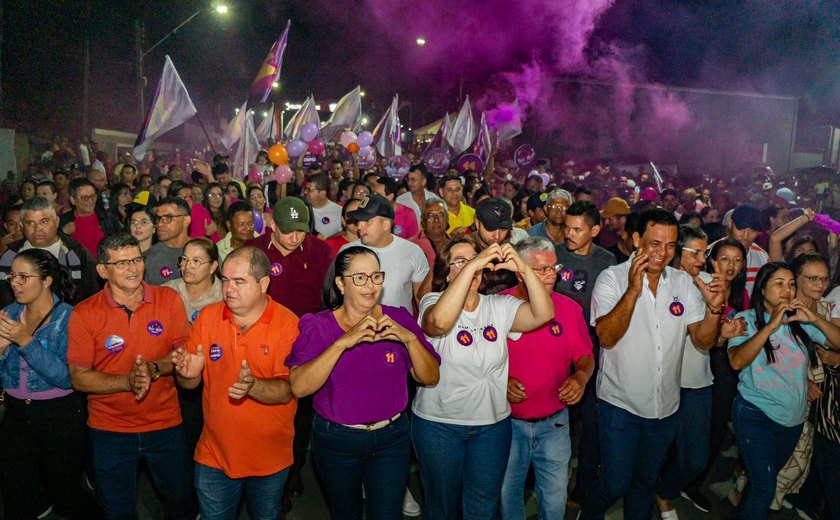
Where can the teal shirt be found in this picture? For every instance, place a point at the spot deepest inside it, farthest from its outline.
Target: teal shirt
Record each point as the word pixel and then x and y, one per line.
pixel 780 390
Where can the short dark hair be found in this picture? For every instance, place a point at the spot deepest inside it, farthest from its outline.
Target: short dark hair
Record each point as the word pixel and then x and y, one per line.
pixel 49 184
pixel 447 178
pixel 588 210
pixel 112 243
pixel 333 298
pixel 77 184
pixel 581 190
pixel 688 215
pixel 391 186
pixel 258 263
pixel 321 181
pixel 239 206
pixel 655 216
pixel 177 201
pixel 220 169
pixel 11 209
pixel 177 186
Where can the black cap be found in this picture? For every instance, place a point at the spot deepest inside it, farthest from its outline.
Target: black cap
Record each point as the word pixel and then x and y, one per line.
pixel 495 213
pixel 536 200
pixel 748 216
pixel 373 205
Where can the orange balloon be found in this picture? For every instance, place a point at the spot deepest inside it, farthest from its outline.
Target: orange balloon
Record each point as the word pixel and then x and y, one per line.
pixel 353 148
pixel 278 154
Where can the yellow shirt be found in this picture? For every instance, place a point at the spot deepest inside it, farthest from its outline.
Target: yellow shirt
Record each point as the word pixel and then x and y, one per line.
pixel 464 218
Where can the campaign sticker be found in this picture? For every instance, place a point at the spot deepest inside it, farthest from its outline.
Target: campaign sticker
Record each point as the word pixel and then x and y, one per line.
pixel 114 344
pixel 677 308
pixel 567 275
pixel 490 333
pixel 195 315
pixel 465 338
pixel 155 328
pixel 276 269
pixel 555 329
pixel 166 271
pixel 390 358
pixel 398 230
pixel 215 352
pixel 325 220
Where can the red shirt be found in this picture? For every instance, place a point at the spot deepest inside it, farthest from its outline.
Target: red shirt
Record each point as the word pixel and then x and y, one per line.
pixel 88 232
pixel 336 242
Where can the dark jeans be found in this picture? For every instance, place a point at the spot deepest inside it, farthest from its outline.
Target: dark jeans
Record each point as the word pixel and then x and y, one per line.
pixel 42 445
pixel 303 431
pixel 765 446
pixel 589 451
pixel 115 460
pixel 348 458
pixel 632 452
pixel 825 463
pixel 462 467
pixel 690 452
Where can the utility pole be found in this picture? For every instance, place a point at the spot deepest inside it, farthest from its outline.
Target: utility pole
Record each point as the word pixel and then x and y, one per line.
pixel 1 64
pixel 86 85
pixel 138 49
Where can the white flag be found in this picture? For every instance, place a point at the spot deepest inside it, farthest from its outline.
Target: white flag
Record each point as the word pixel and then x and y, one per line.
pixel 462 134
pixel 171 107
pixel 308 113
pixel 388 135
pixel 267 129
pixel 233 131
pixel 346 116
pixel 249 147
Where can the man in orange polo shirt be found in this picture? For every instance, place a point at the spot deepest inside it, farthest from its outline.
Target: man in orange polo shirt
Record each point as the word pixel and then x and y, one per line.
pixel 119 352
pixel 238 347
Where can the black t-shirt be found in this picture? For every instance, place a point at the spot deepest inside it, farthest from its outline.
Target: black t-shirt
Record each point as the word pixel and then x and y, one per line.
pixel 620 257
pixel 577 277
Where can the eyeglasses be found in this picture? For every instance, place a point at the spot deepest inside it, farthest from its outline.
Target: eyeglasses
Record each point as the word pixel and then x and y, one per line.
pixel 695 252
pixel 817 280
pixel 730 261
pixel 436 216
pixel 556 207
pixel 549 269
pixel 460 262
pixel 141 222
pixel 20 278
pixel 123 264
pixel 361 279
pixel 192 262
pixel 167 219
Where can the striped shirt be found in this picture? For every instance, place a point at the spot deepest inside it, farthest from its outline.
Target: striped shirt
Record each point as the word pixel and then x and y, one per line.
pixel 756 258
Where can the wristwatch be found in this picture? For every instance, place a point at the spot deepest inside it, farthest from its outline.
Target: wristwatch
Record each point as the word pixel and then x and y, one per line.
pixel 155 372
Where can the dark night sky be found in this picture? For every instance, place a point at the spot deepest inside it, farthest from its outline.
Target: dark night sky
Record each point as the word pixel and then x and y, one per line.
pixel 785 47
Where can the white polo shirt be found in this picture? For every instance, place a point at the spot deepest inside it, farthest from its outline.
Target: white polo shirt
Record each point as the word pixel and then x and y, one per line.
pixel 641 373
pixel 696 367
pixel 407 200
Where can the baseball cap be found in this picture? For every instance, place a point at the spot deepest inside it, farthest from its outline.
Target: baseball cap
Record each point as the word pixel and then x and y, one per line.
pixel 142 198
pixel 787 195
pixel 373 205
pixel 649 194
pixel 495 213
pixel 748 216
pixel 615 206
pixel 291 214
pixel 536 200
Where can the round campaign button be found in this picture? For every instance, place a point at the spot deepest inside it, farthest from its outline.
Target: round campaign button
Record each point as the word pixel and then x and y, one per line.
pixel 490 333
pixel 555 329
pixel 325 220
pixel 215 352
pixel 166 271
pixel 566 274
pixel 390 358
pixel 276 269
pixel 114 344
pixel 398 230
pixel 464 338
pixel 677 308
pixel 155 328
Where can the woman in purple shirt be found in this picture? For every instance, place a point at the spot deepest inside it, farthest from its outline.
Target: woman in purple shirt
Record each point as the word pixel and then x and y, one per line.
pixel 354 359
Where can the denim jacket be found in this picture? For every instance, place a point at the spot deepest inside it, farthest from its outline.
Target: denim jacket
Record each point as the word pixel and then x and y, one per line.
pixel 46 354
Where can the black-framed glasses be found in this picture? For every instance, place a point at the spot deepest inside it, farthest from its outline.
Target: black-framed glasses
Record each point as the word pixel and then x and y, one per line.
pixel 192 262
pixel 361 279
pixel 20 278
pixel 549 269
pixel 123 264
pixel 816 279
pixel 167 219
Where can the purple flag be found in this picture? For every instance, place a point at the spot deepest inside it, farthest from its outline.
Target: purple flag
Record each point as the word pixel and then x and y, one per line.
pixel 270 69
pixel 439 140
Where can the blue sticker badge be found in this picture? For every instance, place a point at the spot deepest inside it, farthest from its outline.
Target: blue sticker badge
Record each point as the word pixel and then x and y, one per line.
pixel 215 352
pixel 114 344
pixel 155 328
pixel 398 230
pixel 195 315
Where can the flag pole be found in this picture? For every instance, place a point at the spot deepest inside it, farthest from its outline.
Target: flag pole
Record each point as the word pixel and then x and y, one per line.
pixel 205 133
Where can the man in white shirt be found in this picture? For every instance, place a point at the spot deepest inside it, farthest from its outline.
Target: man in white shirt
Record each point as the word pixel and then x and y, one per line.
pixel 642 310
pixel 417 194
pixel 326 213
pixel 404 263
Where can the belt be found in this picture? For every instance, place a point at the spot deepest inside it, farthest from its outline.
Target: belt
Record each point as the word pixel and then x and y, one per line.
pixel 374 425
pixel 540 419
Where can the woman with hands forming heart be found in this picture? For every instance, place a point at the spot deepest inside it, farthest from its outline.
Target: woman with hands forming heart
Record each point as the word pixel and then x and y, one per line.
pixel 354 358
pixel 461 428
pixel 774 356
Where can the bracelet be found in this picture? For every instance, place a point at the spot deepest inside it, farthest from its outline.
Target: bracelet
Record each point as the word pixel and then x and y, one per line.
pixel 715 311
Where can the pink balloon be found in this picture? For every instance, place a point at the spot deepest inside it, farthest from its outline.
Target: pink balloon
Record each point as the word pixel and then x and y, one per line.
pixel 364 139
pixel 364 151
pixel 315 147
pixel 295 148
pixel 347 138
pixel 254 174
pixel 309 132
pixel 282 174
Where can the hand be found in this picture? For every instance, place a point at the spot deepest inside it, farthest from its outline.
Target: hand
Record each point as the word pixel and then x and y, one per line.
pixel 515 391
pixel 244 384
pixel 803 313
pixel 809 214
pixel 829 357
pixel 139 380
pixel 388 329
pixel 572 390
pixel 778 316
pixel 814 392
pixel 733 328
pixel 16 332
pixel 637 273
pixel 713 292
pixel 203 168
pixel 186 364
pixel 510 260
pixel 362 332
pixel 484 259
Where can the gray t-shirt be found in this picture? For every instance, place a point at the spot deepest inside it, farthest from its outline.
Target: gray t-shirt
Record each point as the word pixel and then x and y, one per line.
pixel 162 263
pixel 577 277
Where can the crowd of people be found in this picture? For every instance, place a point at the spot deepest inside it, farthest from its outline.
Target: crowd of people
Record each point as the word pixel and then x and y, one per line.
pixel 221 329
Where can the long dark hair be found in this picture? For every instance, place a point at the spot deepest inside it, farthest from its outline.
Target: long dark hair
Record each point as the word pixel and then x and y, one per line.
pixel 442 260
pixel 757 300
pixel 333 299
pixel 739 284
pixel 45 265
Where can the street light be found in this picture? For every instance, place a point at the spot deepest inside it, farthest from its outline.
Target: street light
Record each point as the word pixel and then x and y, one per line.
pixel 275 84
pixel 138 32
pixel 421 41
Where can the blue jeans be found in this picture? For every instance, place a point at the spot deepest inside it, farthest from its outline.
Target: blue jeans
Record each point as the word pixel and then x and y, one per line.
pixel 547 445
pixel 691 445
pixel 765 446
pixel 632 452
pixel 347 458
pixel 461 467
pixel 219 495
pixel 115 460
